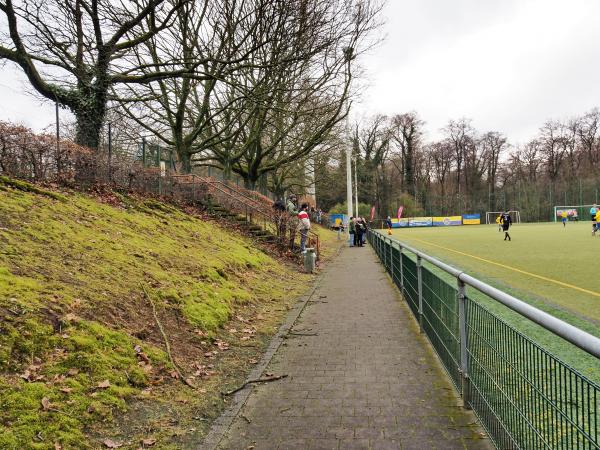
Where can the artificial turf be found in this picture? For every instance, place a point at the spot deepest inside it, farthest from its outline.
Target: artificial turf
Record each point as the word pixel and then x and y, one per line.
pixel 559 254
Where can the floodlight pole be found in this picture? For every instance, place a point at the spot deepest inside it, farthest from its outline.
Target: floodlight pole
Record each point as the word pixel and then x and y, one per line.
pixel 348 179
pixel 348 53
pixel 355 187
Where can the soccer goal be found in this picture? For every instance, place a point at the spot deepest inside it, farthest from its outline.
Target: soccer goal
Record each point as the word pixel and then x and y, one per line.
pixel 577 212
pixel 490 216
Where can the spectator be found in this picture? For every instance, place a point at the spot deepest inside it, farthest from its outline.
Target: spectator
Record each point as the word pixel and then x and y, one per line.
pixel 359 229
pixel 303 226
pixel 388 224
pixel 291 205
pixel 365 229
pixel 352 229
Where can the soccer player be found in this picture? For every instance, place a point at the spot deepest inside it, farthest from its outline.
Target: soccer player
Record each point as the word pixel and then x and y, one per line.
pixel 499 222
pixel 593 211
pixel 563 216
pixel 597 220
pixel 506 222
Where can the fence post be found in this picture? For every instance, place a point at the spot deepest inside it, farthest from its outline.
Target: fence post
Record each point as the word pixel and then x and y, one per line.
pixel 464 355
pixel 109 152
pixel 420 284
pixel 144 152
pixel 392 259
pixel 384 254
pixel 401 271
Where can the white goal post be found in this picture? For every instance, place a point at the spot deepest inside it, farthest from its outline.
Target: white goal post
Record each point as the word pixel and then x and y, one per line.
pixel 490 216
pixel 583 211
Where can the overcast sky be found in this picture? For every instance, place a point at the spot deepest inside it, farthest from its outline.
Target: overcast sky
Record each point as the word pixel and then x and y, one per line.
pixel 507 64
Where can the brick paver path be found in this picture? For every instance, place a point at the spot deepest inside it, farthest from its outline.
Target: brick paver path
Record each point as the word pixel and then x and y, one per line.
pixel 367 380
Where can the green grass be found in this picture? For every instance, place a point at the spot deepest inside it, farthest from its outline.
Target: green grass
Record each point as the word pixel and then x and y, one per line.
pixel 72 309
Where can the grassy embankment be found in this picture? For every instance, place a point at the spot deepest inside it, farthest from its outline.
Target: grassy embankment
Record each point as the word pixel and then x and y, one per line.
pixel 79 343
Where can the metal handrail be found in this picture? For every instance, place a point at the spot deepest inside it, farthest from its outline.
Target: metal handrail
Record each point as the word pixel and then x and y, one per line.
pixel 581 339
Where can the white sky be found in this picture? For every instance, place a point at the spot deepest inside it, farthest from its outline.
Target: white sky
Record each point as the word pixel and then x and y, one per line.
pixel 507 64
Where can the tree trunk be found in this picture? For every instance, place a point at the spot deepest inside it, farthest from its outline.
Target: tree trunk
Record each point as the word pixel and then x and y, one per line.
pixel 89 125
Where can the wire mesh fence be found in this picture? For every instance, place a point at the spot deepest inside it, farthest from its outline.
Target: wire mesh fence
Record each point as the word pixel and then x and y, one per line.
pixel 524 396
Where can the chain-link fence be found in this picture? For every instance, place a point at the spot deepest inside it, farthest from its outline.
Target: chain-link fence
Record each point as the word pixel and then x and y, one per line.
pixel 149 170
pixel 524 396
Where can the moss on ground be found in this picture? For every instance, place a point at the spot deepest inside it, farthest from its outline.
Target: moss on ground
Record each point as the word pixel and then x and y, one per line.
pixel 74 339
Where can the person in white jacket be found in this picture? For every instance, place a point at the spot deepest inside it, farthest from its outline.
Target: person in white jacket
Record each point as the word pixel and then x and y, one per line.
pixel 303 225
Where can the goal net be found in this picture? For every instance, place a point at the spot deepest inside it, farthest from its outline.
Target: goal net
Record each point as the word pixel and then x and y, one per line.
pixel 576 212
pixel 491 216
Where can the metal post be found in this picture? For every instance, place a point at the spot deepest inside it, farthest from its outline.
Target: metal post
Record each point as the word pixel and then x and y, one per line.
pixel 384 253
pixel 420 284
pixel 464 355
pixel 392 260
pixel 401 271
pixel 109 151
pixel 58 158
pixel 144 152
pixel 355 186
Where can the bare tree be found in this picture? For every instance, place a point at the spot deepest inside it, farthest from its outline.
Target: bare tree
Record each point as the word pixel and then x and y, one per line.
pixel 459 134
pixel 588 132
pixel 493 144
pixel 407 132
pixel 552 147
pixel 74 51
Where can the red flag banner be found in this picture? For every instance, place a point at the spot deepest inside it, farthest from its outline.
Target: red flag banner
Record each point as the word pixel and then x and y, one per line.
pixel 400 212
pixel 372 213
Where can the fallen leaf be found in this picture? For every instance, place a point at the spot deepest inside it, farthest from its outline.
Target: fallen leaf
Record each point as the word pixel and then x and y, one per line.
pixel 253 361
pixel 104 384
pixel 174 374
pixel 57 446
pixel 26 375
pixel 111 444
pixel 66 390
pixel 73 372
pixel 46 403
pixel 64 336
pixel 148 442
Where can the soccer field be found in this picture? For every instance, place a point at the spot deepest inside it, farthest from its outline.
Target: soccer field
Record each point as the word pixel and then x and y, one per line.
pixel 547 265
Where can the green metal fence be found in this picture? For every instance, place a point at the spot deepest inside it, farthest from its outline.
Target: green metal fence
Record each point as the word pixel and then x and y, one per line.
pixel 525 397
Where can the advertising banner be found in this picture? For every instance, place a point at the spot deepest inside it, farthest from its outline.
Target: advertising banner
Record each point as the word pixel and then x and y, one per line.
pixel 471 219
pixel 400 212
pixel 399 223
pixel 448 221
pixel 420 222
pixel 571 213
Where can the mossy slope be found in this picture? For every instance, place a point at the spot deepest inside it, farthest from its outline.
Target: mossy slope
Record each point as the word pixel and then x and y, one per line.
pixel 71 276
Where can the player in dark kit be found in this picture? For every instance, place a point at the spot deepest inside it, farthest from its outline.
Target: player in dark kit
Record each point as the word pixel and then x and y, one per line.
pixel 506 222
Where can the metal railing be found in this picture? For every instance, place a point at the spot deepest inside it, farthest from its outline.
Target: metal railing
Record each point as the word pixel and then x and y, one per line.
pixel 524 396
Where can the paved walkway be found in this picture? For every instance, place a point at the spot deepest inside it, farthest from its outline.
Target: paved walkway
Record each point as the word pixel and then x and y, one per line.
pixel 366 380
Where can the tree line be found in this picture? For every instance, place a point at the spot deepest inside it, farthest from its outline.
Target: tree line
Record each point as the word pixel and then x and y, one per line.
pixel 468 170
pixel 250 87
